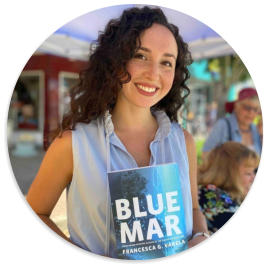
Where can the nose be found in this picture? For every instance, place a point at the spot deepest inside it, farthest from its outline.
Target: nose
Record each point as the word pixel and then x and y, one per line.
pixel 153 71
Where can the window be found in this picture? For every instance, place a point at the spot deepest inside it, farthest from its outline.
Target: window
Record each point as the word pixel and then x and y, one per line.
pixel 26 107
pixel 67 80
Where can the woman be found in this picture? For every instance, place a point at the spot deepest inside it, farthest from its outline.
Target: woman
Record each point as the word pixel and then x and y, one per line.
pixel 123 115
pixel 224 181
pixel 238 126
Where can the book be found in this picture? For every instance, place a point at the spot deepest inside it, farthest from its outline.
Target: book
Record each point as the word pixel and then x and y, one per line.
pixel 148 212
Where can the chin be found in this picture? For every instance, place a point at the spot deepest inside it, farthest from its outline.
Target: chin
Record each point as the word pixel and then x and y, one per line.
pixel 145 104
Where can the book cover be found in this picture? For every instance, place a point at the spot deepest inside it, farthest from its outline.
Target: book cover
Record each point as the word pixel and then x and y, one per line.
pixel 148 212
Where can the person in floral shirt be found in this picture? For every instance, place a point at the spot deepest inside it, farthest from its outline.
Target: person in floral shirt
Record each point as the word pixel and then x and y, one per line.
pixel 224 179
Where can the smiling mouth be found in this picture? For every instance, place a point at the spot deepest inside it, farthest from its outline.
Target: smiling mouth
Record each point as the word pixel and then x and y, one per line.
pixel 146 89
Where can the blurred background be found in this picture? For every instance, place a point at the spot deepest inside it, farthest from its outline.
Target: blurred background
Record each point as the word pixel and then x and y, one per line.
pixel 41 95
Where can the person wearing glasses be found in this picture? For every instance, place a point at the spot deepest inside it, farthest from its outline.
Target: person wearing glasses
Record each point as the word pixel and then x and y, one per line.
pixel 238 125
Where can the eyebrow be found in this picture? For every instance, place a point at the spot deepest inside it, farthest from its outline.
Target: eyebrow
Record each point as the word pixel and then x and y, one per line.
pixel 165 54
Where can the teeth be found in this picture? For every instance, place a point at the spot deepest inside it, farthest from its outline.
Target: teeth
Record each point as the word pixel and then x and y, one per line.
pixel 146 89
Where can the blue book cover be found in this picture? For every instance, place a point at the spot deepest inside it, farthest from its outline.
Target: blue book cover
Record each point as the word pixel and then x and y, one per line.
pixel 148 212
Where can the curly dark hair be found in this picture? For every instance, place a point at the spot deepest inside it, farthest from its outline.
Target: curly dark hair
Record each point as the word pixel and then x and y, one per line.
pixel 106 71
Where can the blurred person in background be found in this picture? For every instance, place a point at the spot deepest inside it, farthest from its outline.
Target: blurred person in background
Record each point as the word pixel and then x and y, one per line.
pixel 224 180
pixel 27 119
pixel 238 126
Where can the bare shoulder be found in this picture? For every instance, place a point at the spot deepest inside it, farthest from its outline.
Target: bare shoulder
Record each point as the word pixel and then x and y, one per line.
pixel 61 148
pixel 190 143
pixel 191 151
pixel 60 153
pixel 64 140
pixel 62 144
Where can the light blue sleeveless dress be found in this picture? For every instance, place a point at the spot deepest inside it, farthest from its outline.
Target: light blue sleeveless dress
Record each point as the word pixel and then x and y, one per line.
pixel 96 151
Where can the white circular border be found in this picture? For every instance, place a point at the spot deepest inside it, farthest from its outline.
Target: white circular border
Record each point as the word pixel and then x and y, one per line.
pixel 26 243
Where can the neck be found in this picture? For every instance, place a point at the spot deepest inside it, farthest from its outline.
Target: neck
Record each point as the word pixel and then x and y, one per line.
pixel 129 118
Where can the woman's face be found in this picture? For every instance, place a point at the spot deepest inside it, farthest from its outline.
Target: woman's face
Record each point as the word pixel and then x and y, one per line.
pixel 246 175
pixel 246 110
pixel 152 69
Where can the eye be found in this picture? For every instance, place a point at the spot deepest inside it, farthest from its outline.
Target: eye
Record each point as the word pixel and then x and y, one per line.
pixel 167 63
pixel 140 56
pixel 249 174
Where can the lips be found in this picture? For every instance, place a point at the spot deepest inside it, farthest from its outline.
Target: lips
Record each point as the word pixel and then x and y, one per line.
pixel 148 90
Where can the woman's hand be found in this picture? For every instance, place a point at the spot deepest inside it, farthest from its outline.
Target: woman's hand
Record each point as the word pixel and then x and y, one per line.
pixel 196 241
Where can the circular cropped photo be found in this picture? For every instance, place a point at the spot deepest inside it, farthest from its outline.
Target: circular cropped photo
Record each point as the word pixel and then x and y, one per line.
pixel 135 132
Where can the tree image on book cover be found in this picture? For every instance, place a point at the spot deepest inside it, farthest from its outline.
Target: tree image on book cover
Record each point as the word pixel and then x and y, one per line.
pixel 148 212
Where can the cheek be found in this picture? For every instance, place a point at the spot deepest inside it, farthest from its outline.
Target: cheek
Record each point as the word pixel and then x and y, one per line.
pixel 168 79
pixel 242 116
pixel 247 180
pixel 131 69
pixel 134 68
pixel 243 176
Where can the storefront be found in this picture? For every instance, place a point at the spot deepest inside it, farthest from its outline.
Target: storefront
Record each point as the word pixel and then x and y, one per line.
pixel 39 100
